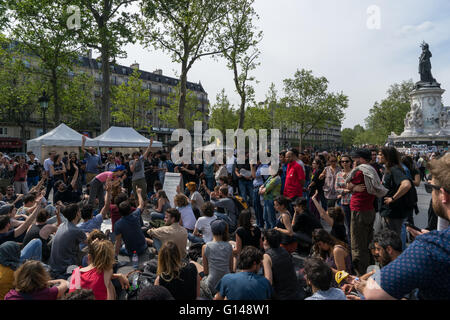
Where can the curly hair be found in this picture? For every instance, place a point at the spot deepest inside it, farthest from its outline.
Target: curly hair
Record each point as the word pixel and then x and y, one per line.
pixel 31 277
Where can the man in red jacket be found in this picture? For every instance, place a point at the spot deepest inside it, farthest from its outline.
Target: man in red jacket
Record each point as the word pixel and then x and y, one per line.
pixel 295 178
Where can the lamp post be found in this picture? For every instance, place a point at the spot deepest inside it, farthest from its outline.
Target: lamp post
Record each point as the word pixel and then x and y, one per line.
pixel 43 102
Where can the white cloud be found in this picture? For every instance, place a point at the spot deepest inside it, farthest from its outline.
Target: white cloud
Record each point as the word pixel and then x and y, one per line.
pixel 421 28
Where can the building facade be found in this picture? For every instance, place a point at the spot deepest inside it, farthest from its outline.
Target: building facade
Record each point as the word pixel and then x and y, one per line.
pixel 328 138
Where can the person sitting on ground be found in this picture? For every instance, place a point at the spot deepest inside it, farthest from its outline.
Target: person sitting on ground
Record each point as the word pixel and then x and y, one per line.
pixel 28 204
pixel 65 250
pixel 33 250
pixel 99 273
pixel 154 198
pixel 246 284
pixel 114 208
pixel 67 194
pixel 319 277
pixel 162 205
pixel 176 275
pixel 9 262
pixel 187 214
pixel 202 230
pixel 217 258
pixel 226 206
pixel 12 197
pixel 195 197
pixel 334 217
pixel 303 225
pixel 284 224
pixel 333 251
pixel 32 281
pixel 172 231
pixel 279 268
pixel 246 234
pixel 42 230
pixel 129 229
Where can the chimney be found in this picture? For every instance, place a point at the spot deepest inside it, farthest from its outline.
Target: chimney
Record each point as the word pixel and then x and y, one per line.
pixel 158 71
pixel 135 66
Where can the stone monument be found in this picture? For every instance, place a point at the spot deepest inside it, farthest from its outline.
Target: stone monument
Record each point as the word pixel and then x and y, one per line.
pixel 428 121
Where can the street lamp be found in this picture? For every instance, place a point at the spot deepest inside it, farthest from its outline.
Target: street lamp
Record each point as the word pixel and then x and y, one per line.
pixel 43 102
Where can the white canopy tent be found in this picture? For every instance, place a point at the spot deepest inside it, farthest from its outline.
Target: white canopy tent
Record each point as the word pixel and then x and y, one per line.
pixel 62 137
pixel 124 137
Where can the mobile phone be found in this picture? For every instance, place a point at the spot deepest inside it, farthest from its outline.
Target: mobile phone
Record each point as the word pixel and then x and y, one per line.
pixel 413 227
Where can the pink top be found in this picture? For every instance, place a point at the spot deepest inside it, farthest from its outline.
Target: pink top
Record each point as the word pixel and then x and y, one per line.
pixel 91 279
pixel 102 177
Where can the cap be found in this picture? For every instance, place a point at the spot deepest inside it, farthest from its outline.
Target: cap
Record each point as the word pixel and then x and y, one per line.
pixel 362 153
pixel 191 185
pixel 218 226
pixel 119 168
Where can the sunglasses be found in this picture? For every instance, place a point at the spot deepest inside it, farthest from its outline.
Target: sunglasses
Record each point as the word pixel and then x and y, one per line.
pixel 429 188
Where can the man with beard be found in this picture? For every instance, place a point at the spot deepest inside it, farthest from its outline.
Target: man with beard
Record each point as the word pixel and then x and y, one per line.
pixel 425 263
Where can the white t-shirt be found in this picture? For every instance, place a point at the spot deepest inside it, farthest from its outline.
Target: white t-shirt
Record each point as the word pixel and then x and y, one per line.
pixel 197 197
pixel 204 226
pixel 187 215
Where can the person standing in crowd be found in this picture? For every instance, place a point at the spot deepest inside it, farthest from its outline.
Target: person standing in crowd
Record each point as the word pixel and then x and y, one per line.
pixel 34 170
pixel 72 167
pixel 344 194
pixel 58 169
pixel 110 164
pixel 20 176
pixel 93 161
pixel 295 178
pixel 298 157
pixel 6 171
pixel 96 185
pixel 244 174
pixel 364 183
pixel 208 171
pixel 425 263
pixel 279 268
pixel 137 168
pixel 283 164
pixel 316 184
pixel 50 181
pixel 162 168
pixel 270 190
pixel 246 284
pixel 329 176
pixel 394 208
pixel 260 173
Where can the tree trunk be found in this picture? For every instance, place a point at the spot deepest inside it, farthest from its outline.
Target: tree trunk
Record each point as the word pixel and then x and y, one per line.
pixel 242 114
pixel 183 92
pixel 54 82
pixel 300 145
pixel 106 95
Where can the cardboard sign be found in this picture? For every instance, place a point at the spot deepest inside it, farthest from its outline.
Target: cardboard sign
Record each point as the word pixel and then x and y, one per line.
pixel 171 181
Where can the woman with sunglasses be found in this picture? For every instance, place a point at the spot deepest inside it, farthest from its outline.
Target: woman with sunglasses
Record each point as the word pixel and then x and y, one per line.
pixel 344 194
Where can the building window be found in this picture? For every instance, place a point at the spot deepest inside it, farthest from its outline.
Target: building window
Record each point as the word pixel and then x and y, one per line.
pixel 4 131
pixel 27 134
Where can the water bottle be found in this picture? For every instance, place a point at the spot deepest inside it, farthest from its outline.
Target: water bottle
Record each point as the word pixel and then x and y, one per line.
pixel 135 260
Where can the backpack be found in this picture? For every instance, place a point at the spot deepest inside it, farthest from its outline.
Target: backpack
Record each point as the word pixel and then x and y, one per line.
pixel 239 202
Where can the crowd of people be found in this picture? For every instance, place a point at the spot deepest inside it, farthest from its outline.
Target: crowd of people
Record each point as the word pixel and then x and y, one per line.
pixel 233 231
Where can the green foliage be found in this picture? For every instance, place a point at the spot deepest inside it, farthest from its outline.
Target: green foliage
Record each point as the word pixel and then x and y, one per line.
pixel 20 89
pixel 185 29
pixel 309 105
pixel 192 111
pixel 223 116
pixel 131 103
pixel 41 31
pixel 388 115
pixel 238 40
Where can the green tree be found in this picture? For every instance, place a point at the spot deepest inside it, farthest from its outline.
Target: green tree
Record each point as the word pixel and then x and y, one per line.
pixel 388 115
pixel 192 111
pixel 78 102
pixel 131 102
pixel 40 27
pixel 238 41
pixel 309 105
pixel 223 116
pixel 348 137
pixel 106 26
pixel 20 89
pixel 185 29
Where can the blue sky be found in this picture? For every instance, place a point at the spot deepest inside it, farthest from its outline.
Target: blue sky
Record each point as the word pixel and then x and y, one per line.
pixel 331 38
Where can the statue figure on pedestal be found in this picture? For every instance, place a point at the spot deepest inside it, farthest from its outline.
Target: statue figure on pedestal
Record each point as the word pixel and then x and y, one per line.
pixel 443 119
pixel 425 64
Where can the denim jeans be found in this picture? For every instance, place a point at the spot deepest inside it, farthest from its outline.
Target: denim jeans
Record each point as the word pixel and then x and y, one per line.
pixel 210 182
pixel 195 239
pixel 259 211
pixel 32 181
pixel 270 217
pixel 156 216
pixel 246 190
pixel 32 251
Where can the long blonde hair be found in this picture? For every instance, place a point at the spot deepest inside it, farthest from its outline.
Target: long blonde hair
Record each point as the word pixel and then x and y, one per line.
pixel 101 254
pixel 169 262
